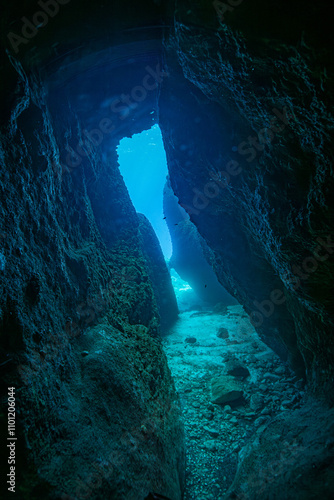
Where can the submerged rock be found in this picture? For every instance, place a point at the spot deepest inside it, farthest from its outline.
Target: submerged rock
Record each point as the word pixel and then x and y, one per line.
pixel 190 340
pixel 293 464
pixel 80 310
pixel 159 274
pixel 223 333
pixel 256 402
pixel 225 389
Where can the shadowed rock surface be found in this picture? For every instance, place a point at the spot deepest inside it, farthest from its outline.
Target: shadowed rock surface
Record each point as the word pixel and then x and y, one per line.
pixel 159 274
pixel 268 224
pixel 192 258
pixel 97 412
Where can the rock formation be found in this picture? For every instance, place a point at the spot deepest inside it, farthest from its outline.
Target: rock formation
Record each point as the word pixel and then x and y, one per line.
pixel 192 258
pixel 158 274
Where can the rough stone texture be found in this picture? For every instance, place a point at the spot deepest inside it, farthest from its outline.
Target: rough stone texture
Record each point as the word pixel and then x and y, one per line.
pixel 192 258
pixel 264 225
pixel 225 389
pixel 289 465
pixel 97 409
pixel 159 274
pixel 256 402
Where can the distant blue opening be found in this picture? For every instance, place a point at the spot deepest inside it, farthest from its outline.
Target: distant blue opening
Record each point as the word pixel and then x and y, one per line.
pixel 143 165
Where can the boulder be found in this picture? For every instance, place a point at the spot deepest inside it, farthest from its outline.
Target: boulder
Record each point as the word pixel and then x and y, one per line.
pixel 225 389
pixel 222 333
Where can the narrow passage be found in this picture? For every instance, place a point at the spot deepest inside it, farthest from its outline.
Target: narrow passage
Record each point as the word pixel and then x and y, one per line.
pixel 216 357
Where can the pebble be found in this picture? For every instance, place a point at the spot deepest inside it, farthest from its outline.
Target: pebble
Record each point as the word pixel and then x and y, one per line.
pixel 265 411
pixel 250 414
pixel 191 340
pixel 256 402
pixel 251 359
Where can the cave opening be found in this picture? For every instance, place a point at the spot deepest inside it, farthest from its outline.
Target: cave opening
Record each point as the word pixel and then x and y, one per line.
pixel 143 165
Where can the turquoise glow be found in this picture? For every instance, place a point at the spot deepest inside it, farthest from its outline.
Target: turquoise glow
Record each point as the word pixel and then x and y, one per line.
pixel 143 165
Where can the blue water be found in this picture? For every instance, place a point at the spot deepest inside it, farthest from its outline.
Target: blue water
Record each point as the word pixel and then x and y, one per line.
pixel 143 165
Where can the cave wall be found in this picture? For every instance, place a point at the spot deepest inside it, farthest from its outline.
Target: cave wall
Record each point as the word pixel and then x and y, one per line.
pixel 159 275
pixel 97 410
pixel 98 415
pixel 194 166
pixel 192 258
pixel 250 160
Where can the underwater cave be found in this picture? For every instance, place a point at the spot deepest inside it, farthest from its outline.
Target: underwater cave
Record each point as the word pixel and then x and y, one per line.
pixel 166 250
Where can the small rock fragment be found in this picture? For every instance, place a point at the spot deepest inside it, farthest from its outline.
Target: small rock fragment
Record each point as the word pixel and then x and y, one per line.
pixel 191 340
pixel 260 421
pixel 256 402
pixel 271 376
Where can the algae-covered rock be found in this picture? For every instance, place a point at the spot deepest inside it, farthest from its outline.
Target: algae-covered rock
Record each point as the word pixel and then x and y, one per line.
pixel 78 322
